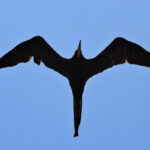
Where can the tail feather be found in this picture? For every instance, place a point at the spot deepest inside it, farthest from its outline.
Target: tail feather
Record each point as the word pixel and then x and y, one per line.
pixel 77 115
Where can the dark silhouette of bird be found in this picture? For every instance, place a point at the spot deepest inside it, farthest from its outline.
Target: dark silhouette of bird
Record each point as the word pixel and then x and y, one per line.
pixel 77 69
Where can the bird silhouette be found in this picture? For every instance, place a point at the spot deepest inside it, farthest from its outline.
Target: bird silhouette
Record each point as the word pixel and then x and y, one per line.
pixel 77 69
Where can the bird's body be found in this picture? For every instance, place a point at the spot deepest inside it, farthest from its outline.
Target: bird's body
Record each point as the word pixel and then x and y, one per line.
pixel 77 80
pixel 77 69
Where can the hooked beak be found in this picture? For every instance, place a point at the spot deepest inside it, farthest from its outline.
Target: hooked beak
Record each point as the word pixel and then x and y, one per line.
pixel 79 49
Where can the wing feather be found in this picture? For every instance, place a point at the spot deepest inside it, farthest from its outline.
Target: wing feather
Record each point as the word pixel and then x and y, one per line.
pixel 118 52
pixel 38 48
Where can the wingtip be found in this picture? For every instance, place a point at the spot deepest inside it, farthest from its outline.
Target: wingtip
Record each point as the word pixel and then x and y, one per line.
pixel 2 64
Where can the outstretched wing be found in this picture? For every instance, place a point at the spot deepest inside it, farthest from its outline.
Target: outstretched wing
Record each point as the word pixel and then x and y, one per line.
pixel 118 52
pixel 40 50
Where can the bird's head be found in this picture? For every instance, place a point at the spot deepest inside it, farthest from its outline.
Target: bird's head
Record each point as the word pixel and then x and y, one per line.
pixel 78 52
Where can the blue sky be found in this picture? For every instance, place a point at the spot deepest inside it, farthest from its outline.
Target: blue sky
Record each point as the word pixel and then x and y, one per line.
pixel 36 103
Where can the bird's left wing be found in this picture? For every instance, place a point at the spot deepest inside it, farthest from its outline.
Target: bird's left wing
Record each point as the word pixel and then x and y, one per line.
pixel 40 50
pixel 118 52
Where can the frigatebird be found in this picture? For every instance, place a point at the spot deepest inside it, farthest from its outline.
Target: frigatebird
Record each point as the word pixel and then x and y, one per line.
pixel 77 69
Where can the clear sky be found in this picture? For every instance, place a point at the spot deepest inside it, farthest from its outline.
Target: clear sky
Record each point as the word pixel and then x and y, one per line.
pixel 36 103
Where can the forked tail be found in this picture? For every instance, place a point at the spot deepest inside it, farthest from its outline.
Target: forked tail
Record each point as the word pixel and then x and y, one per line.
pixel 77 114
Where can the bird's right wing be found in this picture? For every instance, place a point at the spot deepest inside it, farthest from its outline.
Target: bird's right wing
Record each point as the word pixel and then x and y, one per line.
pixel 40 50
pixel 118 52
